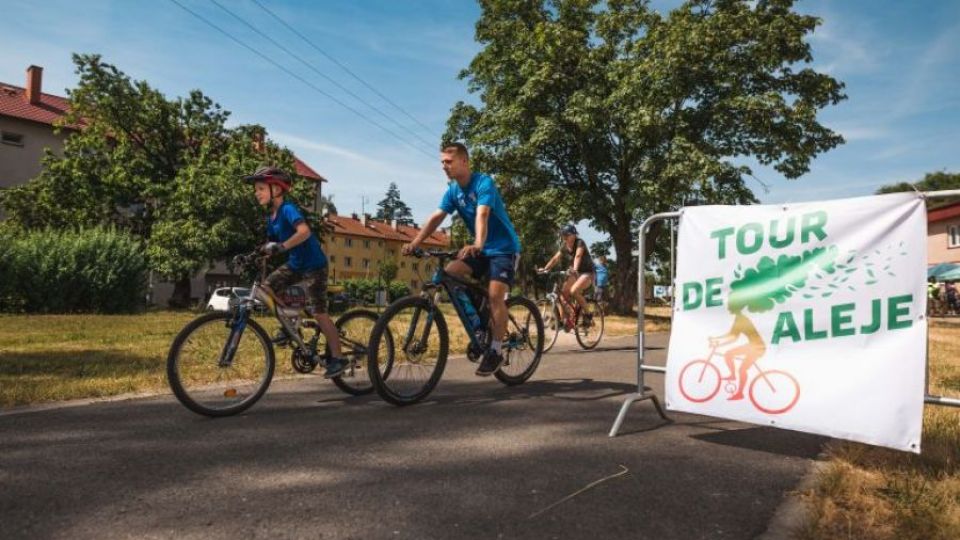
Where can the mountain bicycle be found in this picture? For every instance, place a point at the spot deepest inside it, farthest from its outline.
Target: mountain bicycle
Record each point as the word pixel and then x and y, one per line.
pixel 771 392
pixel 419 327
pixel 586 324
pixel 221 363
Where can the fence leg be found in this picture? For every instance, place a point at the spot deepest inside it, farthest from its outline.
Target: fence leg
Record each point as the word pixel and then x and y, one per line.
pixel 626 406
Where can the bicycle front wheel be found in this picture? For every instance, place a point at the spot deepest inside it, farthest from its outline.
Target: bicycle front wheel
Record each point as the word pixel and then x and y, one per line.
pixel 589 329
pixel 209 384
pixel 523 343
pixel 551 322
pixel 355 328
pixel 418 352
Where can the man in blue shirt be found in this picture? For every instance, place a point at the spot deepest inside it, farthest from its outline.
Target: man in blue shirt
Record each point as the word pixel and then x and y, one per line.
pixel 288 232
pixel 496 247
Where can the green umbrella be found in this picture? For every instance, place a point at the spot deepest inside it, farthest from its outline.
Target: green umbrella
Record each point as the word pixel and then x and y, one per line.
pixel 938 270
pixel 949 275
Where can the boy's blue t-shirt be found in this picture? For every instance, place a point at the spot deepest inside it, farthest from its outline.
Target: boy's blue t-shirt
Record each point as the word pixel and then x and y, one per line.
pixel 502 239
pixel 602 276
pixel 307 255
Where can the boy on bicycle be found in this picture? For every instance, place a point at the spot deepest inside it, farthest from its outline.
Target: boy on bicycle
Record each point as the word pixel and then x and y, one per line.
pixel 288 232
pixel 496 248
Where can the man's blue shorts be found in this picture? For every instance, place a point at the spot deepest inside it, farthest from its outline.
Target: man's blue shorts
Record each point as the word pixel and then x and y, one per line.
pixel 502 268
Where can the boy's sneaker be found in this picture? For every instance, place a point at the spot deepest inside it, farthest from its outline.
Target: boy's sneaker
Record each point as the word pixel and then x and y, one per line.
pixel 491 362
pixel 335 367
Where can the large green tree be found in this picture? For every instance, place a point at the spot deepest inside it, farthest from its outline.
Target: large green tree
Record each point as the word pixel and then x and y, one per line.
pixel 935 181
pixel 632 112
pixel 392 207
pixel 167 170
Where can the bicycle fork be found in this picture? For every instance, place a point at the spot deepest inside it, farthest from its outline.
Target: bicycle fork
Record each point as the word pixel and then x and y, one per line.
pixel 237 325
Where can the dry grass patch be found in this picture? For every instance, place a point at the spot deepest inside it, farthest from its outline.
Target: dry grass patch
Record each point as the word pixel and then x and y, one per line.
pixel 59 357
pixel 866 492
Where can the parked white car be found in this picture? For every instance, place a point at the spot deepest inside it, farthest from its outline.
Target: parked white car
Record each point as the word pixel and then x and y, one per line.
pixel 224 298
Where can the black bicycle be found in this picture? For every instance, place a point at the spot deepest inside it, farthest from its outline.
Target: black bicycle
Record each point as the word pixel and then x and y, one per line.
pixel 221 363
pixel 419 332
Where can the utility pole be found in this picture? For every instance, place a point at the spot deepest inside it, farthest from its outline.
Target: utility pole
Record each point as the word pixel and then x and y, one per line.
pixel 363 204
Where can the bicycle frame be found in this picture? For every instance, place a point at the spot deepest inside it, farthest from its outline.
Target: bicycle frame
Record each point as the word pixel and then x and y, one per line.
pixel 449 282
pixel 761 373
pixel 242 312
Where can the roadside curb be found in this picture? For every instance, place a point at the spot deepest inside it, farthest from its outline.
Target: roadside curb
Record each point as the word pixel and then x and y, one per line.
pixel 789 516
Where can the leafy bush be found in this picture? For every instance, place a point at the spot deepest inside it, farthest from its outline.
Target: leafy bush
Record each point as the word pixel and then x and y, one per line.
pixel 365 290
pixel 51 271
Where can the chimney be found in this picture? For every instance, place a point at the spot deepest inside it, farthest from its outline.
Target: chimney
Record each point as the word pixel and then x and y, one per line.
pixel 364 219
pixel 34 84
pixel 355 216
pixel 393 224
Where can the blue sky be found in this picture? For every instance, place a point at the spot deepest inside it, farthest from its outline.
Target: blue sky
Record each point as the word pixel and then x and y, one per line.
pixel 900 61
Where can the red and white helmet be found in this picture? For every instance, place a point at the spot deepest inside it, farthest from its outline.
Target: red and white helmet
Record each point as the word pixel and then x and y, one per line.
pixel 272 176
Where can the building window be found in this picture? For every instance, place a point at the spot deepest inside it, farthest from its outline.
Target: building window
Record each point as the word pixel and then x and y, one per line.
pixel 414 283
pixel 13 139
pixel 953 236
pixel 366 264
pixel 429 268
pixel 403 264
pixel 348 242
pixel 366 244
pixel 333 259
pixel 415 266
pixel 379 243
pixel 348 261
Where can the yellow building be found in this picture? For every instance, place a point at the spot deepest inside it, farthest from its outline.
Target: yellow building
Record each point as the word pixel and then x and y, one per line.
pixel 359 245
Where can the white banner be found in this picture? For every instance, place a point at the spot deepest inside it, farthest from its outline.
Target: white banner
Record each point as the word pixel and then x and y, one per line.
pixel 804 316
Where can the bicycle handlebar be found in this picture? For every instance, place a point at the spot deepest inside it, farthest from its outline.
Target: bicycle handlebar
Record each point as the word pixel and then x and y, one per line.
pixel 440 254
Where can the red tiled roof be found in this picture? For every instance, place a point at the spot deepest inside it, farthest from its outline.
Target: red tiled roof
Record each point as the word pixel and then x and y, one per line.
pixel 13 102
pixel 384 231
pixel 305 171
pixel 947 211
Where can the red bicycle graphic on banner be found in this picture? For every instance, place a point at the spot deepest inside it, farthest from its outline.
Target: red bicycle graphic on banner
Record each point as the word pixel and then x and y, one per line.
pixel 771 392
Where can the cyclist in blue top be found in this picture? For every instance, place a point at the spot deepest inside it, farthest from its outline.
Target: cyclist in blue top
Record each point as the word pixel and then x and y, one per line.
pixel 288 232
pixel 496 248
pixel 603 276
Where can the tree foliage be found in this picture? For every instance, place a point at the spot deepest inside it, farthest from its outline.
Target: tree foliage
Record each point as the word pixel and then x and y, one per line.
pixel 392 207
pixel 166 170
pixel 936 181
pixel 630 112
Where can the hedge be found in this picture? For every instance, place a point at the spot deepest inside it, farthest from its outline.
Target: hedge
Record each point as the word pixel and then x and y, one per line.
pixel 51 271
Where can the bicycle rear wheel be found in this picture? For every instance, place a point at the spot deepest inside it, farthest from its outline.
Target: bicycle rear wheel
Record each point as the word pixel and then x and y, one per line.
pixel 355 328
pixel 589 329
pixel 418 350
pixel 207 384
pixel 551 322
pixel 523 343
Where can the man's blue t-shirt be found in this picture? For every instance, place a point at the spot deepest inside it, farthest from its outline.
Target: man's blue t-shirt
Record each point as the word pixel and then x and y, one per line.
pixel 502 239
pixel 601 271
pixel 307 255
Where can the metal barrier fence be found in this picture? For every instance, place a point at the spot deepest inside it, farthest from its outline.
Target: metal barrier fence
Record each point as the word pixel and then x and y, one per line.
pixel 646 394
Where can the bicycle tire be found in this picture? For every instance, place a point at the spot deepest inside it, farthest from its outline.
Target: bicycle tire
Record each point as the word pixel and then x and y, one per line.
pixel 710 393
pixel 765 376
pixel 173 361
pixel 550 338
pixel 538 348
pixel 355 381
pixel 578 329
pixel 389 393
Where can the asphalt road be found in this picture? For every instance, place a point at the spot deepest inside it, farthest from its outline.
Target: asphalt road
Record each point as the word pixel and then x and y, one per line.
pixel 476 460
